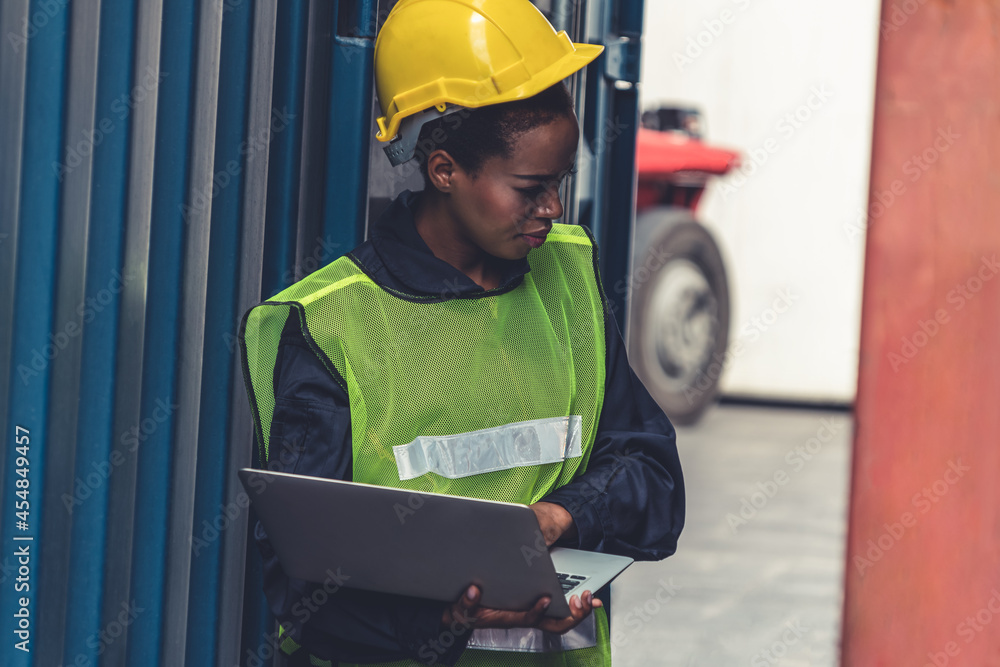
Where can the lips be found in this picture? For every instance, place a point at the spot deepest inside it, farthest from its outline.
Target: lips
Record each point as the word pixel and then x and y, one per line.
pixel 535 239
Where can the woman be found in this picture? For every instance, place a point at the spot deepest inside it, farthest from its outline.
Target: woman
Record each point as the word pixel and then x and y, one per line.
pixel 468 311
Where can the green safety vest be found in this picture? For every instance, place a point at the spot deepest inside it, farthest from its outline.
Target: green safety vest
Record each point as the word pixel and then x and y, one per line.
pixel 442 365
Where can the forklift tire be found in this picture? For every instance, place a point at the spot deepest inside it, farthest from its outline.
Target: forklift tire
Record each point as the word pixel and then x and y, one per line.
pixel 678 326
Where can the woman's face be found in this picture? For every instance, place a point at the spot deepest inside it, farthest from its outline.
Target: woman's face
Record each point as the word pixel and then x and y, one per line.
pixel 508 207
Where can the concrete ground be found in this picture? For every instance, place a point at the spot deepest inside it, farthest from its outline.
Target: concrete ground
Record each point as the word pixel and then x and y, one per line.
pixel 758 575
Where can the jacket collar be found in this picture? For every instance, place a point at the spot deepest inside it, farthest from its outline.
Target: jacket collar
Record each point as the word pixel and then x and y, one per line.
pixel 409 260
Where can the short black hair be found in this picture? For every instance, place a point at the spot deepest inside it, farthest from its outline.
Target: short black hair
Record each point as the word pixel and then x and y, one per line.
pixel 472 136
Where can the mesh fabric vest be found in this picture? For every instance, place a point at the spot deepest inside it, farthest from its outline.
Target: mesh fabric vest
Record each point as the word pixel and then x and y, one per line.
pixel 445 365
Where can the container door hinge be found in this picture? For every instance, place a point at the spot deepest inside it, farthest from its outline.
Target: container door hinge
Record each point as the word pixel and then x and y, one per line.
pixel 621 60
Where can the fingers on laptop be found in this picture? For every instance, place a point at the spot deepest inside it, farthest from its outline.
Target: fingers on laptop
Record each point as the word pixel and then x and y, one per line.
pixel 467 612
pixel 589 598
pixel 463 610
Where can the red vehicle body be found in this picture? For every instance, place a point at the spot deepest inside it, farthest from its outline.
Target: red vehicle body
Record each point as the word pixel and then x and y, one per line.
pixel 674 167
pixel 678 322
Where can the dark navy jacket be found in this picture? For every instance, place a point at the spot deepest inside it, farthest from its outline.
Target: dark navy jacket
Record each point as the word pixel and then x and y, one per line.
pixel 630 501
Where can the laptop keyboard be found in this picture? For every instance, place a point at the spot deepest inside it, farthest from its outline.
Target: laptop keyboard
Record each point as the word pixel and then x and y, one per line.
pixel 569 581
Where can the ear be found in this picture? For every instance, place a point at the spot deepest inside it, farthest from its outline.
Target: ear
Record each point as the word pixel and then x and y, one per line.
pixel 441 168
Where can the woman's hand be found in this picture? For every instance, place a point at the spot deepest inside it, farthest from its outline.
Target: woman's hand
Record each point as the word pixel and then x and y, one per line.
pixel 554 521
pixel 466 613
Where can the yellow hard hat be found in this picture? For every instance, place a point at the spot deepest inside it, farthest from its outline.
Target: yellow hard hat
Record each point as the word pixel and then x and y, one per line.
pixel 471 53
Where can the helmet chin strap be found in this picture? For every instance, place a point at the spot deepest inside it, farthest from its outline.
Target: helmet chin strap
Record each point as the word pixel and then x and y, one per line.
pixel 403 146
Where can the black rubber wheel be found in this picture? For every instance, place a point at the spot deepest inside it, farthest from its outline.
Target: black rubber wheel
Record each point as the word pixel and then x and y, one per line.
pixel 678 326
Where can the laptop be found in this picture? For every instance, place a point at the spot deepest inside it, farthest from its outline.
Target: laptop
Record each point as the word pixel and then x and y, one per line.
pixel 427 545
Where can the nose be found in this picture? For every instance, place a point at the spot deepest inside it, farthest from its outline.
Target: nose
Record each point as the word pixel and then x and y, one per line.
pixel 550 204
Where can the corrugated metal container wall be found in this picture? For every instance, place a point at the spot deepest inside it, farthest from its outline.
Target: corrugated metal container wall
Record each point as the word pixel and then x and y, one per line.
pixel 145 145
pixel 167 165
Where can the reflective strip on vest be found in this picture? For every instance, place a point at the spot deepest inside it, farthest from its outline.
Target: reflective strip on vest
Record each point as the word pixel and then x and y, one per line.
pixel 528 443
pixel 532 640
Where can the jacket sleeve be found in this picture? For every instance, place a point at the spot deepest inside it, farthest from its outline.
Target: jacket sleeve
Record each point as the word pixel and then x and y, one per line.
pixel 311 435
pixel 630 500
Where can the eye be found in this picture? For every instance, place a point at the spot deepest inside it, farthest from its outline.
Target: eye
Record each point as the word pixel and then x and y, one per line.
pixel 553 185
pixel 533 192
